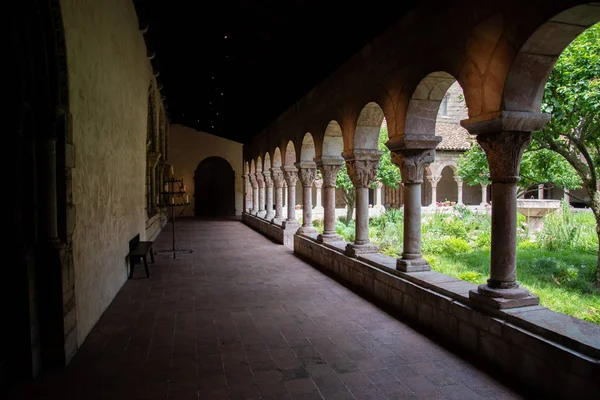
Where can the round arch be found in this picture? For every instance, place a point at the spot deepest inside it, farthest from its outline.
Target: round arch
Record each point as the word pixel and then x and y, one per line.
pixel 333 142
pixel 290 154
pixel 307 151
pixel 214 188
pixel 368 125
pixel 267 162
pixel 277 158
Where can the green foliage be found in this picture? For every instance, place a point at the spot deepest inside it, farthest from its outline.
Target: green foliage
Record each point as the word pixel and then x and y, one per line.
pixel 483 240
pixel 566 230
pixel 318 224
pixel 388 173
pixel 346 231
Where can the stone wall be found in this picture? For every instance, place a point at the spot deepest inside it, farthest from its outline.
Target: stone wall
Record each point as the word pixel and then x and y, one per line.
pixel 557 354
pixel 189 147
pixel 109 76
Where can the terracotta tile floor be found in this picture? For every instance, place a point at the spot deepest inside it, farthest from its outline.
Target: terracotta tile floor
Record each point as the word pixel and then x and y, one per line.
pixel 243 318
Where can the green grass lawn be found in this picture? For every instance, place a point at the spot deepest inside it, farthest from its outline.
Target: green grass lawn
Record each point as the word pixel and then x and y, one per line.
pixel 565 290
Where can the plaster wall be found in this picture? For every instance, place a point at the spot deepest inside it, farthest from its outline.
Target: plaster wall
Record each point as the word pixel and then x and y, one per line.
pixel 189 147
pixel 109 75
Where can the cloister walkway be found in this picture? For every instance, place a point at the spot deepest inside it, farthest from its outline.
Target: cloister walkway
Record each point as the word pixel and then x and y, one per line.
pixel 244 318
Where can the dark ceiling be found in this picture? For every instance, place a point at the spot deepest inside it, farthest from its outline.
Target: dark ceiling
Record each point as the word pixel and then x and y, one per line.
pixel 231 67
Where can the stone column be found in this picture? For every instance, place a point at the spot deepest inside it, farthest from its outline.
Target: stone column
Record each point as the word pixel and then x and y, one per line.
pixel 308 173
pixel 247 194
pixel 285 195
pixel 260 178
pixel 362 168
pixel 153 158
pixel 412 163
pixel 290 175
pixel 318 209
pixel 483 194
pixel 254 183
pixel 378 207
pixel 278 182
pixel 459 189
pixel 540 191
pixel 504 137
pixel 269 186
pixel 329 169
pixel 433 180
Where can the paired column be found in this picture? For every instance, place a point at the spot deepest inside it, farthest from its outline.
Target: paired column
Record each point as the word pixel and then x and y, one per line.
pixel 504 138
pixel 260 178
pixel 378 207
pixel 362 168
pixel 254 183
pixel 308 174
pixel 329 169
pixel 269 186
pixel 278 182
pixel 412 163
pixel 459 189
pixel 290 174
pixel 433 180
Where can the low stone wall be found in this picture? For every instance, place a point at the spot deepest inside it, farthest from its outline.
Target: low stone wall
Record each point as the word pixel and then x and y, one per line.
pixel 556 354
pixel 154 225
pixel 273 231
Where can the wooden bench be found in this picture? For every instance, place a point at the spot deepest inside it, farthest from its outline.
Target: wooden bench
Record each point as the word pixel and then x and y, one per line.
pixel 139 250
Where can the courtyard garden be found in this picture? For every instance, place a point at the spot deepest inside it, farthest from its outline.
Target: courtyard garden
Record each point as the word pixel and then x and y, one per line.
pixel 558 263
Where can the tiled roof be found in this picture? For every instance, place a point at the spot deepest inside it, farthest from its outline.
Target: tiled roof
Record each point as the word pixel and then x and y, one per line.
pixel 454 136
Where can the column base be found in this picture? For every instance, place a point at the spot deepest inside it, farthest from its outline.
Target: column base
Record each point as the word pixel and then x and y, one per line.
pixel 378 209
pixel 277 221
pixel 254 212
pixel 504 298
pixel 307 230
pixel 329 238
pixel 269 217
pixel 412 264
pixel 261 214
pixel 293 224
pixel 354 250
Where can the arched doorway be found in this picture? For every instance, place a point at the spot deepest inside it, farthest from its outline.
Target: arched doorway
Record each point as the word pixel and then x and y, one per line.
pixel 214 188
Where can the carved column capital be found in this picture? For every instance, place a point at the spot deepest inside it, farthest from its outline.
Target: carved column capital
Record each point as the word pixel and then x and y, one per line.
pixel 412 163
pixel 458 180
pixel 277 177
pixel 362 167
pixel 329 173
pixel 318 183
pixel 290 174
pixel 268 179
pixel 378 184
pixel 253 181
pixel 433 179
pixel 307 176
pixel 260 178
pixel 504 151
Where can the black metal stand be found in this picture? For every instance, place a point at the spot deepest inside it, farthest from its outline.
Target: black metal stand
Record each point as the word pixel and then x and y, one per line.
pixel 171 193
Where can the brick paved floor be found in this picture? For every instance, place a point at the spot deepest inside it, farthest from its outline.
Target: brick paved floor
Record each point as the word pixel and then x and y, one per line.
pixel 243 318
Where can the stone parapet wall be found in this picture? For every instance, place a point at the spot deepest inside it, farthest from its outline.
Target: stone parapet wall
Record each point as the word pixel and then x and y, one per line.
pixel 154 225
pixel 270 230
pixel 556 354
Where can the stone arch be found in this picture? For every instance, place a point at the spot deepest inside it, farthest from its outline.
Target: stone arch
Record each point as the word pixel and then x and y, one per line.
pixel 333 142
pixel 259 164
pixel 425 101
pixel 267 162
pixel 252 167
pixel 307 151
pixel 366 133
pixel 446 188
pixel 290 154
pixel 277 158
pixel 527 77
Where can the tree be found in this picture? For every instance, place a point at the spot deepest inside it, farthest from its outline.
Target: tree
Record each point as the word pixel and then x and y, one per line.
pixel 387 173
pixel 567 150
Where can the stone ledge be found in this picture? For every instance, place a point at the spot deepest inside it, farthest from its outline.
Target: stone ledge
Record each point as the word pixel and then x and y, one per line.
pixel 272 230
pixel 551 351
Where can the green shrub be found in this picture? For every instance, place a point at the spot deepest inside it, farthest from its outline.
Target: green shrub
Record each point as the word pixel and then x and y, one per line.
pixel 566 230
pixel 483 240
pixel 470 276
pixel 456 245
pixel 345 231
pixel 528 245
pixel 434 244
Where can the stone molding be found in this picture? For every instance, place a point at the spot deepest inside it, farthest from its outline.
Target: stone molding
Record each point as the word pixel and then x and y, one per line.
pixel 434 179
pixel 412 163
pixel 307 176
pixel 260 179
pixel 505 121
pixel 362 166
pixel 152 157
pixel 268 179
pixel 291 177
pixel 504 151
pixel 253 181
pixel 318 183
pixel 277 177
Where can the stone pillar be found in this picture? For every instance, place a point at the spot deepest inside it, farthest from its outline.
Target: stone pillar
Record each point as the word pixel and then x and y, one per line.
pixel 412 163
pixel 278 182
pixel 248 193
pixel 504 136
pixel 153 158
pixel 378 207
pixel 290 174
pixel 459 189
pixel 285 195
pixel 540 191
pixel 483 194
pixel 362 168
pixel 318 209
pixel 254 183
pixel 260 178
pixel 269 187
pixel 329 169
pixel 433 180
pixel 308 173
